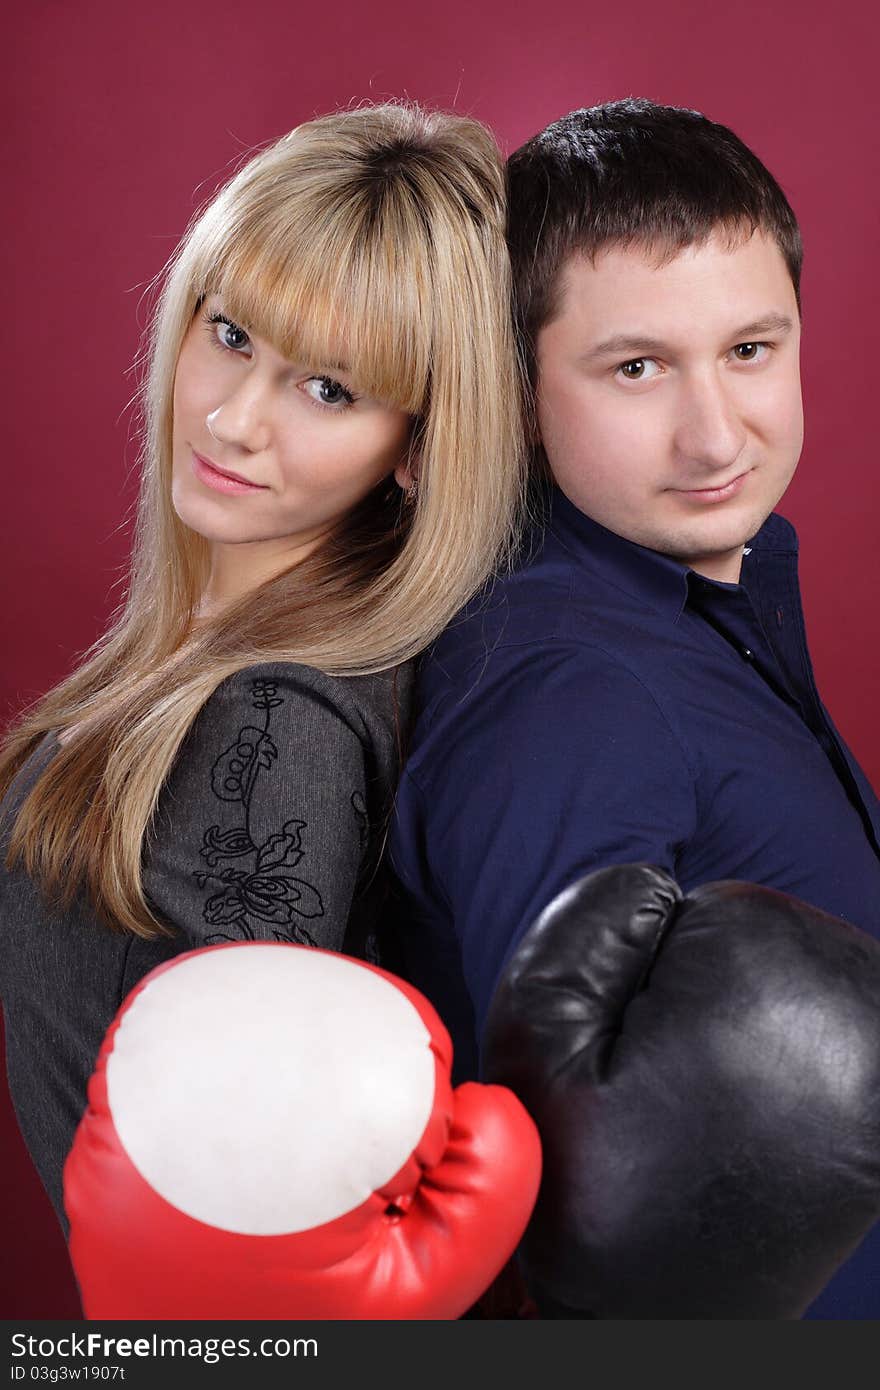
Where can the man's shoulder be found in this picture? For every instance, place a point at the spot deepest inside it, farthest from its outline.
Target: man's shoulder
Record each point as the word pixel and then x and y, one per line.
pixel 527 644
pixel 550 603
pixel 556 593
pixel 777 533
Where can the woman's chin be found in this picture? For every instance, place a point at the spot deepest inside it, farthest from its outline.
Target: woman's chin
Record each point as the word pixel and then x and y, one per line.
pixel 199 515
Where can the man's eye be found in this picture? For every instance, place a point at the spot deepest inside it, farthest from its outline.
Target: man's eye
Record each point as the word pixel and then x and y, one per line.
pixel 324 390
pixel 638 369
pixel 750 352
pixel 227 334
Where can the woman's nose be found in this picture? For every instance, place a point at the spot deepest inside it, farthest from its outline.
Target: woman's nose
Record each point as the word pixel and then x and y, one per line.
pixel 241 421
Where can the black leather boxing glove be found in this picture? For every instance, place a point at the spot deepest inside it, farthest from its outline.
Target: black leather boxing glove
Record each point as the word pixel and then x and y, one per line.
pixel 705 1076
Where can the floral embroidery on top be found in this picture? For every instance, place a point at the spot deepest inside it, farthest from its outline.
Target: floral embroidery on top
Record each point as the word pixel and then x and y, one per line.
pixel 264 892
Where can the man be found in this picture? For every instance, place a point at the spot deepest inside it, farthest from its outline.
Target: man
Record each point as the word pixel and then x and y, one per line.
pixel 640 689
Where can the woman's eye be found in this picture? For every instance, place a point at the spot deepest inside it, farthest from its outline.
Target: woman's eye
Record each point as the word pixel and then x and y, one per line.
pixel 750 352
pixel 228 334
pixel 324 390
pixel 638 369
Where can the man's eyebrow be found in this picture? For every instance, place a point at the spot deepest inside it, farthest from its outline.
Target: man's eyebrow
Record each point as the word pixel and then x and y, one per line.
pixel 622 343
pixel 773 323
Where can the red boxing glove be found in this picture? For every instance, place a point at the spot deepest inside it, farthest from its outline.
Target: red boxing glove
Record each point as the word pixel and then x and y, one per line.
pixel 271 1133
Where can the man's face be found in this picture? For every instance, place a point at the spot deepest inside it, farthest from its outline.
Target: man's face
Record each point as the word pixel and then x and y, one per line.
pixel 669 398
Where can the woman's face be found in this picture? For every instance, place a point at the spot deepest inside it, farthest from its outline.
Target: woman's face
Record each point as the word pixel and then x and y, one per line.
pixel 306 448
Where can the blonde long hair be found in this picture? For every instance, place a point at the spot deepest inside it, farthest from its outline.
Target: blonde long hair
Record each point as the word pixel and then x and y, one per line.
pixel 381 228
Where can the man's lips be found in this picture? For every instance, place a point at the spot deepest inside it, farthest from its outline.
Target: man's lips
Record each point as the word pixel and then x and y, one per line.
pixel 717 493
pixel 224 472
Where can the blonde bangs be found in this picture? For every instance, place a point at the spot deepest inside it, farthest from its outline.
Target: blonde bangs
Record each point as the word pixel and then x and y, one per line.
pixel 331 285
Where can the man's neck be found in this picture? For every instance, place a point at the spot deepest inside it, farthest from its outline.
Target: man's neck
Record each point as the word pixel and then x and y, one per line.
pixel 724 569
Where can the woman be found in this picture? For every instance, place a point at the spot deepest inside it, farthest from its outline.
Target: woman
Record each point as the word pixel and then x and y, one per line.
pixel 331 468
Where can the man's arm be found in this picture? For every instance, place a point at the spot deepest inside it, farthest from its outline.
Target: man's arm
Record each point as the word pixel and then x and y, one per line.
pixel 704 1071
pixel 545 762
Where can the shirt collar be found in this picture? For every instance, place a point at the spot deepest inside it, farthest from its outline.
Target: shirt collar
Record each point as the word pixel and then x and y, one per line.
pixel 647 575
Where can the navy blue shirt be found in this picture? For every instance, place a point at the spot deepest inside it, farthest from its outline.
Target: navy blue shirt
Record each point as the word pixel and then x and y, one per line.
pixel 605 704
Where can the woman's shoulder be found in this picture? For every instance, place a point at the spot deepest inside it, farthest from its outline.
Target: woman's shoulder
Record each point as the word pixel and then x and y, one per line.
pixel 295 678
pixel 374 707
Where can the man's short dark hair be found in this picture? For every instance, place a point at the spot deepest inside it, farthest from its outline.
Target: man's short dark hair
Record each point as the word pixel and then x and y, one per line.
pixel 631 173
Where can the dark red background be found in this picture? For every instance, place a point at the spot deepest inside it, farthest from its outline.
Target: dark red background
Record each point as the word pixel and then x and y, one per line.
pixel 121 122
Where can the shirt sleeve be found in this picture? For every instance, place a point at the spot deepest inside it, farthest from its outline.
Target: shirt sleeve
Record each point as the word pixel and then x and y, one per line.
pixel 548 764
pixel 261 825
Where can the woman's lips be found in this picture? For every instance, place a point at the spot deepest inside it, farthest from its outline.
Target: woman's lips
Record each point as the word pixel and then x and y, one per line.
pixel 715 494
pixel 211 476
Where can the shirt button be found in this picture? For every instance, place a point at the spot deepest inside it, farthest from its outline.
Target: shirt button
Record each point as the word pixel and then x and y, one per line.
pixel 747 654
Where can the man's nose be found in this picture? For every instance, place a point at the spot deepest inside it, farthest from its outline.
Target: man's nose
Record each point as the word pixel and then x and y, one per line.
pixel 710 431
pixel 241 420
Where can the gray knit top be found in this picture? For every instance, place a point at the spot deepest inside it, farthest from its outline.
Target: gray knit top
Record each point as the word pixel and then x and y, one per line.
pixel 269 826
